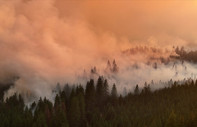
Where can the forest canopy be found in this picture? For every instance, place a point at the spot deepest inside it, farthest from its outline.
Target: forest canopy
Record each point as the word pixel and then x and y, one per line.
pixel 98 106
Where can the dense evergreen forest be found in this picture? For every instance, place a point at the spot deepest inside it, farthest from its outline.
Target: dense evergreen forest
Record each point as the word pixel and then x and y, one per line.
pixel 97 106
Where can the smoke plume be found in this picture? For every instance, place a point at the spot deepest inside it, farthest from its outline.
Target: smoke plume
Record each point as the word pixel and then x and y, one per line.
pixel 43 42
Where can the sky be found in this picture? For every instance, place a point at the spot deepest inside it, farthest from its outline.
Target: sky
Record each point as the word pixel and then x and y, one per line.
pixel 169 22
pixel 50 41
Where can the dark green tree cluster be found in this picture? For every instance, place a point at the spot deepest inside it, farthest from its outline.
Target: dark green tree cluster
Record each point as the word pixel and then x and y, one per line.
pixel 3 88
pixel 97 106
pixel 184 55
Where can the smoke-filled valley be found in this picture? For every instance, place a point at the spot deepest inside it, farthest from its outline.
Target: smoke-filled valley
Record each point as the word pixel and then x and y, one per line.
pixel 41 47
pixel 56 51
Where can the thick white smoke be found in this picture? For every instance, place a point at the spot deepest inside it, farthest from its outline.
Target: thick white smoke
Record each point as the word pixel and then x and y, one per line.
pixel 43 44
pixel 43 48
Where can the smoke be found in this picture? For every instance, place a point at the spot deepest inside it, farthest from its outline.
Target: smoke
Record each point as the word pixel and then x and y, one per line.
pixel 163 22
pixel 50 41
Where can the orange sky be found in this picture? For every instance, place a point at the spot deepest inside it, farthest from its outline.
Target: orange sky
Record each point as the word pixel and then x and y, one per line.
pixel 139 20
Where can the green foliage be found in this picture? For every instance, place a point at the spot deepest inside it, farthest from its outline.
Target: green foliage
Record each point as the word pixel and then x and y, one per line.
pixel 173 106
pixel 114 93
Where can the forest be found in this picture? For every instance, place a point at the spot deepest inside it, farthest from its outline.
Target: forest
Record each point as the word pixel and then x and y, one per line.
pixel 97 106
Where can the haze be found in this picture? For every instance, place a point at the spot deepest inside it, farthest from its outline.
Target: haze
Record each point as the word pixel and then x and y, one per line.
pixel 48 41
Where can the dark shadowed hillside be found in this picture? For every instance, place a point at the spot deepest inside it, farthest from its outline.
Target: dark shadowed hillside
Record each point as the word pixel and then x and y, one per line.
pixel 97 106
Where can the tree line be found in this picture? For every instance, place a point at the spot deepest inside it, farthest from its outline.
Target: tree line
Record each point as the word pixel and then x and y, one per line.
pixel 97 106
